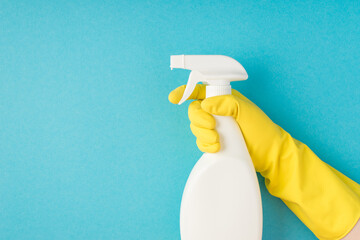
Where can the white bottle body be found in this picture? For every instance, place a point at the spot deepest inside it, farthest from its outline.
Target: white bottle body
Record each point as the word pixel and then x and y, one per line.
pixel 222 200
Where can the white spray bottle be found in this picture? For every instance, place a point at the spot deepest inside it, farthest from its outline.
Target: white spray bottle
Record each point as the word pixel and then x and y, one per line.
pixel 221 199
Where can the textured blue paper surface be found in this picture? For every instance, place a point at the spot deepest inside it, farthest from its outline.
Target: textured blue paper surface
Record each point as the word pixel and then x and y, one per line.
pixel 90 147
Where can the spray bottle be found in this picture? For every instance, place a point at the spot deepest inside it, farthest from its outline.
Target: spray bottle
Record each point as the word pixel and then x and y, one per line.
pixel 221 199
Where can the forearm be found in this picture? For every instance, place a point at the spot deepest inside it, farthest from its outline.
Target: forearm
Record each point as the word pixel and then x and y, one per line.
pixel 354 234
pixel 325 200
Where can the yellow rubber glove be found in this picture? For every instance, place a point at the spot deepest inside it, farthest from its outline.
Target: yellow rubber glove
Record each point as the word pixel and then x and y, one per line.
pixel 325 200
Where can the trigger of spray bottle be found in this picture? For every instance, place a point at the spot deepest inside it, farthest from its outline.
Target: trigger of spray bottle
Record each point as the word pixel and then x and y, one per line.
pixel 213 70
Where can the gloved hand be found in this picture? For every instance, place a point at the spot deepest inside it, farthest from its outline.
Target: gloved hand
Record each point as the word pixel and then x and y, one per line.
pixel 325 200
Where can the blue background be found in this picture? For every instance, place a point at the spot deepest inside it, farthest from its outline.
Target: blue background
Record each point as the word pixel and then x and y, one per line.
pixel 90 147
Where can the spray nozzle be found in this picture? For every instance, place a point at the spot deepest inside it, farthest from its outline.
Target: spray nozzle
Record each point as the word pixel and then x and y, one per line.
pixel 209 69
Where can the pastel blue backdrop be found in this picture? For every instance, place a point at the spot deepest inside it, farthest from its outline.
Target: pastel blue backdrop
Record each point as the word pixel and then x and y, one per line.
pixel 92 149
